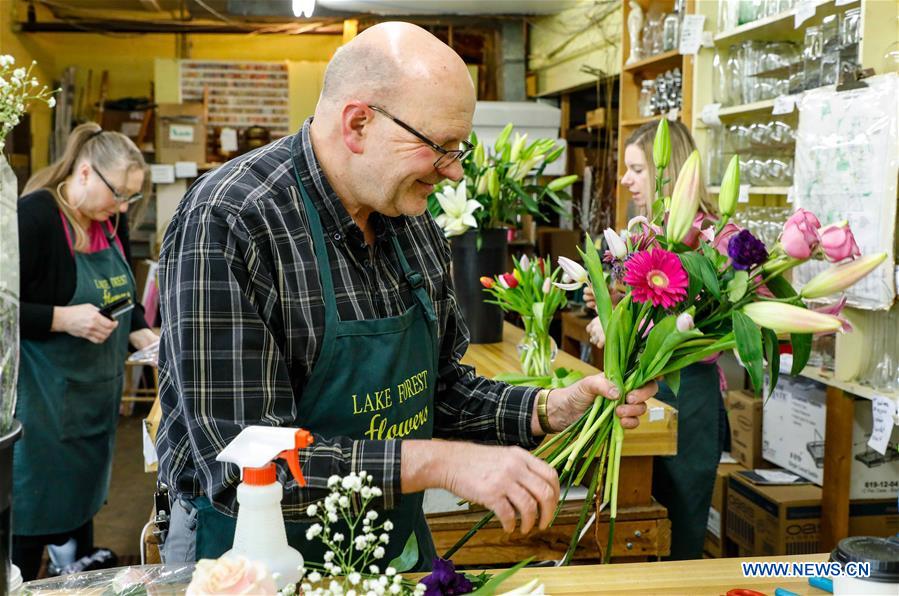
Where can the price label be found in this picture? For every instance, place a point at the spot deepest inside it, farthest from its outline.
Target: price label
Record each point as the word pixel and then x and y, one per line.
pixel 744 194
pixel 691 33
pixel 672 114
pixel 882 410
pixel 804 11
pixel 783 104
pixel 711 114
pixel 844 2
pixel 162 173
pixel 791 195
pixel 228 140
pixel 185 169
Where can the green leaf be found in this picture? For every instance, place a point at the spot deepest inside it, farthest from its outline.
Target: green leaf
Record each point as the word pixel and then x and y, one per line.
pixel 736 289
pixel 489 589
pixel 802 350
pixel 657 336
pixel 501 141
pixel 749 346
pixel 672 379
pixel 409 557
pixel 598 280
pixel 611 365
pixel 772 355
pixel 696 264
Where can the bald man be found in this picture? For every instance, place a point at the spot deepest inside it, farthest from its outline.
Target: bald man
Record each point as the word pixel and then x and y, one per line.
pixel 305 285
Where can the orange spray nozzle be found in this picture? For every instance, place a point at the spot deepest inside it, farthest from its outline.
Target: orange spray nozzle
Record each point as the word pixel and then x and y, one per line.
pixel 302 439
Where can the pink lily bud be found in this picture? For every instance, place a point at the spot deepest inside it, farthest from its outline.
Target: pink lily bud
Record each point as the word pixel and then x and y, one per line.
pixel 684 322
pixel 800 236
pixel 787 318
pixel 684 199
pixel 839 277
pixel 838 243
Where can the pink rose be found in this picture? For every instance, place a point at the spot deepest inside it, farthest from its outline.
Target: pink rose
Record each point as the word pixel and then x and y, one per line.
pixel 231 575
pixel 800 236
pixel 838 243
pixel 721 241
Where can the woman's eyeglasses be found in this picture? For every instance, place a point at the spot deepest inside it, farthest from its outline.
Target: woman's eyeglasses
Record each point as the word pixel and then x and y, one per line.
pixel 119 197
pixel 447 156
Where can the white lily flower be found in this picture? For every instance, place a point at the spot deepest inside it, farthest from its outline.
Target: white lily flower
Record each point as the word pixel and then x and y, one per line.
pixel 457 210
pixel 615 243
pixel 574 272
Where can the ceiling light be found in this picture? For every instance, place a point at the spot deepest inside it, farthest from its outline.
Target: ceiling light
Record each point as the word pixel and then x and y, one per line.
pixel 303 8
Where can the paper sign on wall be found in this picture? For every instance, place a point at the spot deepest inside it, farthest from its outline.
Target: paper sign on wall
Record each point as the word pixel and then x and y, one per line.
pixel 711 114
pixel 228 140
pixel 162 173
pixel 783 104
pixel 182 133
pixel 691 33
pixel 804 11
pixel 185 169
pixel 744 194
pixel 882 410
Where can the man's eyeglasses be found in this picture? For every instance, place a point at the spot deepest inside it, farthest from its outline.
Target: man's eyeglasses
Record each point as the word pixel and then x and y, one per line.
pixel 119 198
pixel 447 156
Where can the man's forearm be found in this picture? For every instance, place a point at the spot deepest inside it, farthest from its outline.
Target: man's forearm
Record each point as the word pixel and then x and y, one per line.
pixel 418 465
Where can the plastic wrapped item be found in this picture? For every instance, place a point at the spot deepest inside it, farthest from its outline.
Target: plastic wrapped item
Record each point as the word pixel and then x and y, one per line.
pixel 149 580
pixel 846 167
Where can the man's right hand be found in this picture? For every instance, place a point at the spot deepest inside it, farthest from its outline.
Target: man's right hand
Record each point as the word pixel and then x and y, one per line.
pixel 83 320
pixel 507 480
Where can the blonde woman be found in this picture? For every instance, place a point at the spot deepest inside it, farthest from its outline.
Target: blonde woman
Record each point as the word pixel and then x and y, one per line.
pixel 74 255
pixel 683 483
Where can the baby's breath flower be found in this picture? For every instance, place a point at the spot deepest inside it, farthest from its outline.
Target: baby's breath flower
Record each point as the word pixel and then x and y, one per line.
pixel 333 481
pixel 374 569
pixel 338 537
pixel 384 538
pixel 315 577
pixel 311 510
pixel 366 492
pixel 313 531
pixel 332 517
pixel 375 491
pixel 372 515
pixel 344 502
pixel 390 572
pixel 388 525
pixel 329 556
pixel 354 578
pixel 307 588
pixel 379 552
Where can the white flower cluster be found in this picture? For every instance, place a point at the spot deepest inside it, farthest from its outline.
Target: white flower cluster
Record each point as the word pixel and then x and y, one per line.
pixel 350 567
pixel 17 89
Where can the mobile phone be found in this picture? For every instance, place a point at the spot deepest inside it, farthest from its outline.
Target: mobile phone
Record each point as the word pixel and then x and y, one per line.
pixel 116 309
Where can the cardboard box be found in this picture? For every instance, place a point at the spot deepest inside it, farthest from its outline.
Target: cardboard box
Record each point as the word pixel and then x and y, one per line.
pixel 716 543
pixel 129 122
pixel 786 520
pixel 180 132
pixel 793 438
pixel 744 412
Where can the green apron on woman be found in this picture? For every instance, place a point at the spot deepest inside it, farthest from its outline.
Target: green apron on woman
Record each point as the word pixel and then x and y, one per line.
pixel 374 379
pixel 683 483
pixel 69 392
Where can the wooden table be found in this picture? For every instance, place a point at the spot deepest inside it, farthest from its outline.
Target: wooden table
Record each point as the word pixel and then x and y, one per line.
pixel 642 529
pixel 703 577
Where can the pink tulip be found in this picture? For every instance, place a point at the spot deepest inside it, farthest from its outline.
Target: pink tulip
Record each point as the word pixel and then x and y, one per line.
pixel 838 243
pixel 723 238
pixel 800 235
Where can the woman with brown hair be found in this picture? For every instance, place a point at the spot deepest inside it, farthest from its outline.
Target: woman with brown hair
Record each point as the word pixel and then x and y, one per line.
pixel 683 483
pixel 74 253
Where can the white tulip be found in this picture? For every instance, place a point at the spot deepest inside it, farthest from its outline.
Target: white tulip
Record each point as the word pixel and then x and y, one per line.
pixel 615 243
pixel 574 272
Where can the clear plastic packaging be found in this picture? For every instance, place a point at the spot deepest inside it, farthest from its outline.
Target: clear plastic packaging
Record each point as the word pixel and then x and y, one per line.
pixel 131 581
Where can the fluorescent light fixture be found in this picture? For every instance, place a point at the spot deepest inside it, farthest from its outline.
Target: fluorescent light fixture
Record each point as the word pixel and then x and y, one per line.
pixel 303 8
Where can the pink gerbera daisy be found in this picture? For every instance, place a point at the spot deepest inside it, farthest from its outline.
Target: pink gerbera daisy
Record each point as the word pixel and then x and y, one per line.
pixel 656 275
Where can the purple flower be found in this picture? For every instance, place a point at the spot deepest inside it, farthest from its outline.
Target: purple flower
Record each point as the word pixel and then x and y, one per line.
pixel 444 581
pixel 746 250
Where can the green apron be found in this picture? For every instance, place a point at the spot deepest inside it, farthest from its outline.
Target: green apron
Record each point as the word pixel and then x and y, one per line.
pixel 374 379
pixel 68 402
pixel 683 483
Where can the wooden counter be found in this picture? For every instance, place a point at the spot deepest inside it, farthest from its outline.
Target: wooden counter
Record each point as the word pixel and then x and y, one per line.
pixel 703 577
pixel 657 433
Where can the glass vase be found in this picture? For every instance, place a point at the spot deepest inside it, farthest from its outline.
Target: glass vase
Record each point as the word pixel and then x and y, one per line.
pixel 9 294
pixel 536 351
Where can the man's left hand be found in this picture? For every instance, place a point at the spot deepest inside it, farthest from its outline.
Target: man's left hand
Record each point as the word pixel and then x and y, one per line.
pixel 566 405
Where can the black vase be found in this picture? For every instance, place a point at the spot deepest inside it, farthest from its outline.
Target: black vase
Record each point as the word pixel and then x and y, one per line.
pixel 6 445
pixel 485 321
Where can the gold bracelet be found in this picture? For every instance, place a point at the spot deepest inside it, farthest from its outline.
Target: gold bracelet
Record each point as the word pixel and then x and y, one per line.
pixel 542 414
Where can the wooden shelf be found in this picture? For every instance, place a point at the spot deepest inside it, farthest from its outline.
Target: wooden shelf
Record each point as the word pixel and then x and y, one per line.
pixel 758 190
pixel 746 108
pixel 778 26
pixel 854 388
pixel 658 62
pixel 635 122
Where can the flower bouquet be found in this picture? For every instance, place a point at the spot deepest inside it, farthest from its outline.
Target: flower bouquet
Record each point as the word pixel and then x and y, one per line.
pixel 692 287
pixel 500 185
pixel 529 290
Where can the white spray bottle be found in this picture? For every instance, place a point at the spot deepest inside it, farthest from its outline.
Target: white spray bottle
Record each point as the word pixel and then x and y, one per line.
pixel 260 534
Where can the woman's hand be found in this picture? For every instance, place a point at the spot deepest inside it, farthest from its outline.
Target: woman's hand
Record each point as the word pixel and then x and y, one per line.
pixel 142 338
pixel 83 320
pixel 590 298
